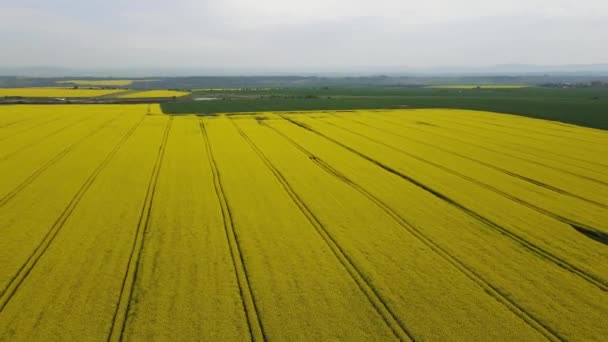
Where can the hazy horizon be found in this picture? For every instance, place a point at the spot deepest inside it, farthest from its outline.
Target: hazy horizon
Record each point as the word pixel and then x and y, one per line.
pixel 272 36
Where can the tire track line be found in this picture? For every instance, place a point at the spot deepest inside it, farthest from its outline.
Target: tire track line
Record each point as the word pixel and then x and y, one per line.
pixel 390 318
pixel 43 138
pixel 477 161
pixel 9 291
pixel 483 147
pixel 50 163
pixel 411 228
pixel 513 146
pixel 474 122
pixel 531 131
pixel 22 130
pixel 121 312
pixel 256 328
pixel 535 249
pixel 555 126
pixel 11 123
pixel 534 207
pixel 459 124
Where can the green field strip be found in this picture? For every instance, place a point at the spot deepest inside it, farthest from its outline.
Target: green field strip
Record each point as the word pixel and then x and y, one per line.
pixel 552 239
pixel 74 288
pixel 287 263
pixel 591 213
pixel 130 274
pixel 560 148
pixel 470 138
pixel 536 284
pixel 187 284
pixel 100 83
pixel 384 253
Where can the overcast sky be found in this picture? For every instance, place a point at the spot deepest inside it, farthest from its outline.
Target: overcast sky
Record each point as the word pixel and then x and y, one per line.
pixel 310 34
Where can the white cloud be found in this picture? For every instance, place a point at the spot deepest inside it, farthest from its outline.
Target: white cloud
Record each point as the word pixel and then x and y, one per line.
pixel 292 34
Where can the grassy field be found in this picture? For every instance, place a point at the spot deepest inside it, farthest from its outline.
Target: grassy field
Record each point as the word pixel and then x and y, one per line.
pixel 103 83
pixel 120 222
pixel 154 94
pixel 474 86
pixel 583 106
pixel 100 83
pixel 56 92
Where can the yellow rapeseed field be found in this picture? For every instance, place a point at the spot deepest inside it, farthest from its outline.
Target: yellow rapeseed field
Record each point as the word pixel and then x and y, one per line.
pixel 122 223
pixel 154 93
pixel 56 92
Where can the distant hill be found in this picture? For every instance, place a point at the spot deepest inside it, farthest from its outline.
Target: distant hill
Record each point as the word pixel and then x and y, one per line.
pixel 497 70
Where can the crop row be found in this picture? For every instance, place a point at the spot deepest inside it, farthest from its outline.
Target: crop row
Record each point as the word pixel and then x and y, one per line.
pixel 397 225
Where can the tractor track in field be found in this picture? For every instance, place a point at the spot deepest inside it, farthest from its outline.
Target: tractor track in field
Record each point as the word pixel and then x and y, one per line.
pixel 477 161
pixel 50 163
pixel 459 124
pixel 36 125
pixel 412 229
pixel 484 125
pixel 11 123
pixel 252 315
pixel 43 138
pixel 27 128
pixel 538 133
pixel 486 186
pixel 533 248
pixel 123 306
pixel 390 318
pixel 13 285
pixel 492 150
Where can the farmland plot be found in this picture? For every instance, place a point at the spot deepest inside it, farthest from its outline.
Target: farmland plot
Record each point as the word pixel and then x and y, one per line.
pixel 154 94
pixel 122 223
pixel 56 92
